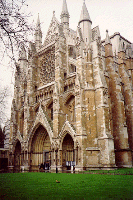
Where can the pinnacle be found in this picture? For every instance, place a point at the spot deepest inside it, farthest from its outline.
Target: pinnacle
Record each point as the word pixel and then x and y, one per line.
pixel 84 14
pixel 38 27
pixel 38 21
pixel 64 8
pixel 107 39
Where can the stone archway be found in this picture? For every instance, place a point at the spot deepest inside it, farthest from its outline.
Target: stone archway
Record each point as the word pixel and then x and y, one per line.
pixel 68 156
pixel 17 156
pixel 40 149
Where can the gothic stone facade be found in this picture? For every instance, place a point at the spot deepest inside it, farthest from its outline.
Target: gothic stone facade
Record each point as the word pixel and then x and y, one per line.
pixel 73 99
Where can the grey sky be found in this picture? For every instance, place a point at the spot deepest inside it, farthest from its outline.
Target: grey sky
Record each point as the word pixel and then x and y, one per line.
pixel 114 15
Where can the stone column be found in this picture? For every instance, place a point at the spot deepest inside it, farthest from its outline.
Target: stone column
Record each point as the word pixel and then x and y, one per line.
pixel 60 160
pixel 53 166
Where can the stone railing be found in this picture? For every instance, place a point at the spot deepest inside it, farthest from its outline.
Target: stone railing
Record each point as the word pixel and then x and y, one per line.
pixel 69 83
pixel 45 92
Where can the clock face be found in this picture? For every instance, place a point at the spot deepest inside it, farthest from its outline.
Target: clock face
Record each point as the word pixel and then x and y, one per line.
pixel 48 66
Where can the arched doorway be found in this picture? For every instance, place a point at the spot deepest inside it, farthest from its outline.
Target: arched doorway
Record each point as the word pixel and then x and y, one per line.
pixel 68 157
pixel 40 149
pixel 17 156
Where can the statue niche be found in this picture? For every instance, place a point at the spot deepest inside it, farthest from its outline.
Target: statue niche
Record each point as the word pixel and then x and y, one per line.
pixel 50 111
pixel 70 111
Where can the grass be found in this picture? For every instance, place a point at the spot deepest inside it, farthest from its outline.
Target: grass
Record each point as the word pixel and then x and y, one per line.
pixel 121 171
pixel 28 186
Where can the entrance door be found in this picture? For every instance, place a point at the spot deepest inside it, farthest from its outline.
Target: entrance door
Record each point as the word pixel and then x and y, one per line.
pixel 40 144
pixel 47 160
pixel 67 152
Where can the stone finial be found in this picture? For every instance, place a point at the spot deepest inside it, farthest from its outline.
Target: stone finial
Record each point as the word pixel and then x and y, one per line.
pixel 107 39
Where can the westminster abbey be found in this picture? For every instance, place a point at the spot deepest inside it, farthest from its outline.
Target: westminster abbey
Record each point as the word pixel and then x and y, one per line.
pixel 73 99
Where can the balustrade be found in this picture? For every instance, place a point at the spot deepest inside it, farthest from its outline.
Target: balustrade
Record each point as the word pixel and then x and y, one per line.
pixel 44 93
pixel 69 83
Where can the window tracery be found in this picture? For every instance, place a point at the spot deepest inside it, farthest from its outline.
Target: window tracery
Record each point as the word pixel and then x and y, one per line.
pixel 48 66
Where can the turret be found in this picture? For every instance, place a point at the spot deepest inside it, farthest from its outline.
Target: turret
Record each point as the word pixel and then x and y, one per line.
pixel 38 34
pixel 65 15
pixel 85 24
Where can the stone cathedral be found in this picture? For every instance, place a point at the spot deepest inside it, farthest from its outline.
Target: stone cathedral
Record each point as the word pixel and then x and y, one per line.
pixel 73 105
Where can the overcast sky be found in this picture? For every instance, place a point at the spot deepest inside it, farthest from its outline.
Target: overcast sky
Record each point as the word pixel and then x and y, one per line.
pixel 114 15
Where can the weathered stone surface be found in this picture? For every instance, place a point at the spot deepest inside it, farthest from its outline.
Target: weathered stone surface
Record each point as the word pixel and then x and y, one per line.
pixel 73 100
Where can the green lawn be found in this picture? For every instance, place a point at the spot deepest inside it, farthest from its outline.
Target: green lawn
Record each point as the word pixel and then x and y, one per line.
pixel 121 171
pixel 71 186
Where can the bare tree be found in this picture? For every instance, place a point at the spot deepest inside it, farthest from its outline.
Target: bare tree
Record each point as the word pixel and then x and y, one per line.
pixel 1 138
pixel 6 131
pixel 14 26
pixel 5 94
pixel 14 32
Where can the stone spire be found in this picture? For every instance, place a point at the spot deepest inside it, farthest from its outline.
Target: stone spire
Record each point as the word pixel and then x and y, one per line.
pixel 64 8
pixel 65 15
pixel 107 39
pixel 38 34
pixel 84 14
pixel 85 24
